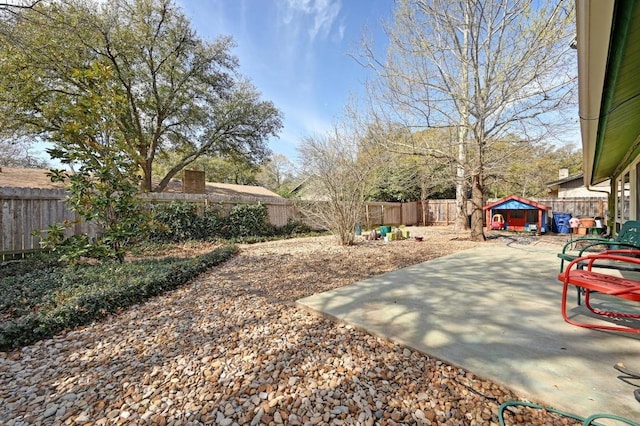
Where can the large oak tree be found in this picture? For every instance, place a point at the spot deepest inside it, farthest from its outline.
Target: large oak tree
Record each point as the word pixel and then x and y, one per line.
pixel 173 91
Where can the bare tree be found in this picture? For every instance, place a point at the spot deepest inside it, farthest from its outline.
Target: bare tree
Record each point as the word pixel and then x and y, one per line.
pixel 12 8
pixel 277 174
pixel 484 69
pixel 13 5
pixel 337 168
pixel 19 153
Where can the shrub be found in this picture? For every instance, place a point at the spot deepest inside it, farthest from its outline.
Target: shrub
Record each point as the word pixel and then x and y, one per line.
pixel 176 221
pixel 179 221
pixel 247 220
pixel 39 303
pixel 104 191
pixel 39 261
pixel 210 224
pixel 294 227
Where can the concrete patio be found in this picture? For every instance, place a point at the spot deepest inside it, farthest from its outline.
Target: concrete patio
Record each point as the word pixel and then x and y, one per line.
pixel 495 311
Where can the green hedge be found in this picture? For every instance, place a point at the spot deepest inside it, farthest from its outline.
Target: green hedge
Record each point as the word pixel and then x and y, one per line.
pixel 180 221
pixel 38 303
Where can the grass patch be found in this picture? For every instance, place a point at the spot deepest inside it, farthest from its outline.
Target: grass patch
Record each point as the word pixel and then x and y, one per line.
pixel 41 298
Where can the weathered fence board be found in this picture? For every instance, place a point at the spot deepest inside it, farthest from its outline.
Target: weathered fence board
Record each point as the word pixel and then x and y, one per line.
pixel 438 212
pixel 380 213
pixel 410 213
pixel 25 210
pixel 586 206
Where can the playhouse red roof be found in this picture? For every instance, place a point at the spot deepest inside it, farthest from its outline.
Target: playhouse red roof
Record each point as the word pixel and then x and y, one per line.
pixel 518 199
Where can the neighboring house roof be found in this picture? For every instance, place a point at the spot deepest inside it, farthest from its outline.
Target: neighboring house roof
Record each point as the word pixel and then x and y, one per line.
pixel 16 177
pixel 566 180
pixel 239 190
pixel 227 189
pixel 608 44
pixel 514 202
pixel 573 186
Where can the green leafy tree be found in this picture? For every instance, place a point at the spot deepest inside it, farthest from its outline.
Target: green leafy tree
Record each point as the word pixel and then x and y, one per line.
pixel 404 178
pixel 406 174
pixel 181 93
pixel 223 169
pixel 525 168
pixel 566 156
pixel 104 189
pixel 396 181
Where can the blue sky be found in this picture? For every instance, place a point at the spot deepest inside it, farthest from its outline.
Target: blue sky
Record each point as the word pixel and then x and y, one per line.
pixel 296 52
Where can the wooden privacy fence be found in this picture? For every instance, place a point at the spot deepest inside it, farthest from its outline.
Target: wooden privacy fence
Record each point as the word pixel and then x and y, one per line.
pixel 443 212
pixel 25 210
pixel 279 210
pixel 437 212
pixel 380 213
pixel 585 206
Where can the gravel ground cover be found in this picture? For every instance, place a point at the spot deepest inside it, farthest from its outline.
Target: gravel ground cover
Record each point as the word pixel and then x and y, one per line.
pixel 232 348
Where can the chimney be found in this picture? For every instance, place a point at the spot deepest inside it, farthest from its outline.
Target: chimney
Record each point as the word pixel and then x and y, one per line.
pixel 563 173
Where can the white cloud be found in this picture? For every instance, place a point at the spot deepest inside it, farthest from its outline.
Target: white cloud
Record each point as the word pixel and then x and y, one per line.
pixel 321 13
pixel 340 35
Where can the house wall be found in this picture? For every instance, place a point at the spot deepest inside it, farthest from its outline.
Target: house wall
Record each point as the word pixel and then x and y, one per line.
pixel 626 202
pixel 576 188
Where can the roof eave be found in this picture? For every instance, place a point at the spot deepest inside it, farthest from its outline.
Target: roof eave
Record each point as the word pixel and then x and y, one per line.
pixel 593 25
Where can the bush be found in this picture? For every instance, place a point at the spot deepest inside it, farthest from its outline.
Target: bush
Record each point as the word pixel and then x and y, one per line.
pixel 295 227
pixel 174 222
pixel 247 220
pixel 39 261
pixel 36 304
pixel 179 221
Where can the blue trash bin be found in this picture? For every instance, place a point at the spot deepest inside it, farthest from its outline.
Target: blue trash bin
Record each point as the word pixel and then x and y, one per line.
pixel 560 224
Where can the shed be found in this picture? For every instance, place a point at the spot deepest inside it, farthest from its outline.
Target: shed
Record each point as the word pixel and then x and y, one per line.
pixel 519 213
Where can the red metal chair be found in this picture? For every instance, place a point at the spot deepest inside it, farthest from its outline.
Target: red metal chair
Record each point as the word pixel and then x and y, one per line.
pixel 580 273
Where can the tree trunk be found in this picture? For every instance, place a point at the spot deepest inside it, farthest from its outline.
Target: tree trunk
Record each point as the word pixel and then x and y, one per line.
pixel 423 202
pixel 463 130
pixel 461 209
pixel 145 184
pixel 477 202
pixel 461 196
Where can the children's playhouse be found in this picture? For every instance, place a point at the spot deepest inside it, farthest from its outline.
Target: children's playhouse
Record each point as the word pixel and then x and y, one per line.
pixel 516 214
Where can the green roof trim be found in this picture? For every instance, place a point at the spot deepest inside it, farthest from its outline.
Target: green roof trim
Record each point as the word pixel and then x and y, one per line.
pixel 616 142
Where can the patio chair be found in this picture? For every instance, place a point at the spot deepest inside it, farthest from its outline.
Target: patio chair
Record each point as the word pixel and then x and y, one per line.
pixel 590 280
pixel 627 238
